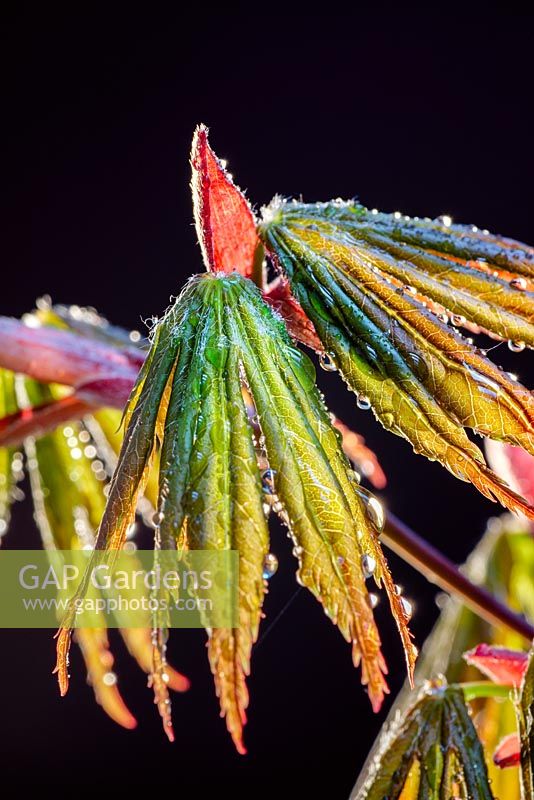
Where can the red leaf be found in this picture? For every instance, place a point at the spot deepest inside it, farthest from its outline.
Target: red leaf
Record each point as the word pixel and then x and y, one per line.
pixel 362 456
pixel 39 420
pixel 502 666
pixel 59 356
pixel 514 465
pixel 226 228
pixel 508 752
pixel 278 295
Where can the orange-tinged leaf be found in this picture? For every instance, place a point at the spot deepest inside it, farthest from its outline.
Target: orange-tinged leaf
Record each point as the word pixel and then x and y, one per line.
pixel 140 646
pixel 278 295
pixel 224 221
pixel 423 380
pixel 99 661
pixel 361 456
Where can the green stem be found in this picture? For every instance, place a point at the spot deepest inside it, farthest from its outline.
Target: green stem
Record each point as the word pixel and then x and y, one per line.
pixel 485 689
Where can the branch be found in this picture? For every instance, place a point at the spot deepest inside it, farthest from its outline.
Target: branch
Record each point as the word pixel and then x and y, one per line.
pixel 437 569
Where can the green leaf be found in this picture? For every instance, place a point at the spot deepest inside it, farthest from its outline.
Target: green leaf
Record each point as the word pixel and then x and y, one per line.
pixel 430 752
pixel 503 562
pixel 218 340
pixel 525 718
pixel 423 380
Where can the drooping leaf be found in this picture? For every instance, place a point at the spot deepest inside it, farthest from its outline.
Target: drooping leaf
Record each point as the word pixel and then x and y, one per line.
pixel 67 478
pixel 422 379
pixel 224 221
pixel 218 337
pixel 431 752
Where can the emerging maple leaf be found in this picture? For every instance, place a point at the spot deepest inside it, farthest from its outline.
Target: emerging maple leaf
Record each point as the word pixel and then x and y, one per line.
pixel 228 405
pixel 217 337
pixel 432 752
pixel 366 281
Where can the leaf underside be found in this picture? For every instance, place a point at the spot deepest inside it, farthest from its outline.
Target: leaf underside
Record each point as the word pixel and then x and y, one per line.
pixel 424 381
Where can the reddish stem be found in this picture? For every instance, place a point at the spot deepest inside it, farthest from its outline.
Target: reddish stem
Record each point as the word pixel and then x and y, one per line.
pixel 437 569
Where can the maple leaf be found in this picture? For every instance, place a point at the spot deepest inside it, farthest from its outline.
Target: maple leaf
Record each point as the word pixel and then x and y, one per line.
pixel 365 281
pixel 431 751
pixel 225 225
pixel 508 752
pixel 218 336
pixel 67 479
pixel 501 665
pixel 514 465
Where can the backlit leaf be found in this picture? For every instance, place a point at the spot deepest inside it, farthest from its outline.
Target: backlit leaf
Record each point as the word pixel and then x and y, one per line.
pixel 218 337
pixel 224 221
pixel 430 752
pixel 423 380
pixel 67 480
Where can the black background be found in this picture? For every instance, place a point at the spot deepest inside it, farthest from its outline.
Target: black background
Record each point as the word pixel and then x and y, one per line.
pixel 427 114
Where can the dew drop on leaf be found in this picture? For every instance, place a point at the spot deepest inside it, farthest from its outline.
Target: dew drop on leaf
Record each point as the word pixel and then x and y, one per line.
pixel 516 347
pixel 368 565
pixel 270 566
pixel 518 283
pixel 327 362
pixel 363 402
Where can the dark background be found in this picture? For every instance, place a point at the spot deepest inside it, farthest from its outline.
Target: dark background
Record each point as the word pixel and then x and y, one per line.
pixel 427 114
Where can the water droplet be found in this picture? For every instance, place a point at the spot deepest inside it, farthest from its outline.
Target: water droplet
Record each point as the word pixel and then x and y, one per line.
pixel 158 518
pixel 445 220
pixel 516 347
pixel 267 479
pixel 375 512
pixel 267 510
pixel 368 565
pixel 298 551
pixel 109 679
pixel 270 565
pixel 135 336
pixel 443 317
pixel 354 476
pixel 407 607
pixel 327 362
pixel 458 320
pixel 518 283
pixel 373 600
pixel 363 402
